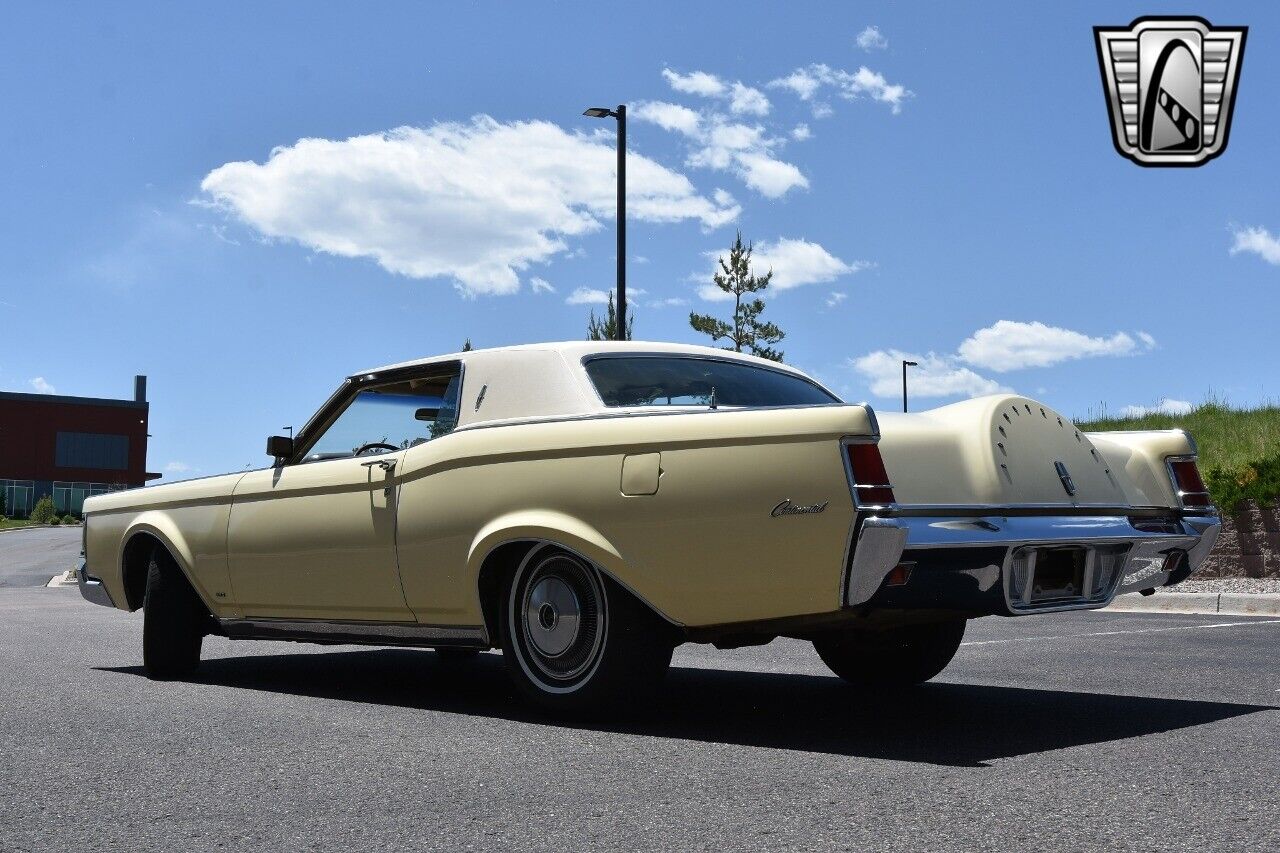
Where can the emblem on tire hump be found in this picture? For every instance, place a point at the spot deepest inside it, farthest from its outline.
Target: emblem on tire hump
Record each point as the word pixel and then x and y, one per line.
pixel 1170 85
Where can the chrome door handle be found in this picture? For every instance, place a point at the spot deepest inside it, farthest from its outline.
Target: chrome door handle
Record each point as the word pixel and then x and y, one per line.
pixel 384 464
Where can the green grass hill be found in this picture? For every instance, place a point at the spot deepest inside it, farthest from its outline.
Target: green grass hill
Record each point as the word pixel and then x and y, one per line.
pixel 1239 448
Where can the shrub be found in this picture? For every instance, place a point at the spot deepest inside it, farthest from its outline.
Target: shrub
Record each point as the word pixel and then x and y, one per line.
pixel 43 512
pixel 70 519
pixel 55 521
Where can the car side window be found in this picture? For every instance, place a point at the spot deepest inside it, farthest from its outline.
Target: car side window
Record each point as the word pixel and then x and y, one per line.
pixel 395 416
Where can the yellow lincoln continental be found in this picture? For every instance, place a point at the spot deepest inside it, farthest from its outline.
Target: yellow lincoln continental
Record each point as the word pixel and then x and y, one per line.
pixel 586 507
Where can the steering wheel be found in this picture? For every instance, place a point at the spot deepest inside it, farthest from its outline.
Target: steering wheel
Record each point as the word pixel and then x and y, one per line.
pixel 375 445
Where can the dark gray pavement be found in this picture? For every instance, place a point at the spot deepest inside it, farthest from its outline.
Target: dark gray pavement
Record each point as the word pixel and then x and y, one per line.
pixel 32 557
pixel 1075 731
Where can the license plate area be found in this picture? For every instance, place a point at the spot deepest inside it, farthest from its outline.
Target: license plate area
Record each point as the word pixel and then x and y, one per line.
pixel 1063 577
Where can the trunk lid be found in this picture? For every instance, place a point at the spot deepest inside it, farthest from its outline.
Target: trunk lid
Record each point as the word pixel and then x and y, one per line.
pixel 1002 450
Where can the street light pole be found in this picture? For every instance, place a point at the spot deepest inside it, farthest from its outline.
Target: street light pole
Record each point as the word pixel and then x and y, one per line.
pixel 905 365
pixel 621 115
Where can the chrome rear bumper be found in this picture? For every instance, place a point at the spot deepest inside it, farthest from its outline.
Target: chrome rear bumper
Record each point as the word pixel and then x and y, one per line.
pixel 93 589
pixel 882 542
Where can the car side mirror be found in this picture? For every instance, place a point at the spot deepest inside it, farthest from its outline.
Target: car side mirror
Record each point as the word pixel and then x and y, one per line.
pixel 280 446
pixel 427 414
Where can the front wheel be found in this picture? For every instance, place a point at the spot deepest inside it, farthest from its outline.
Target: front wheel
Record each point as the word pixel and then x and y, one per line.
pixel 575 641
pixel 896 657
pixel 173 621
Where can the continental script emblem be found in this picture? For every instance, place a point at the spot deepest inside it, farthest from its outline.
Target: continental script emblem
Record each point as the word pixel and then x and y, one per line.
pixel 786 507
pixel 1170 85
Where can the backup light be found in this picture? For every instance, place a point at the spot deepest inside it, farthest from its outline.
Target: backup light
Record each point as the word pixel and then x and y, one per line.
pixel 871 486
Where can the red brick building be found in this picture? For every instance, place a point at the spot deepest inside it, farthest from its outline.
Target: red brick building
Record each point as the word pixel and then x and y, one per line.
pixel 70 447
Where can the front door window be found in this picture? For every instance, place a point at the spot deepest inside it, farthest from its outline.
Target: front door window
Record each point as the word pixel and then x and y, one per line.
pixel 391 417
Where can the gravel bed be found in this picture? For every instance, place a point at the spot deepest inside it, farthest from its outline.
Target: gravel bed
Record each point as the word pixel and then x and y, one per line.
pixel 1252 586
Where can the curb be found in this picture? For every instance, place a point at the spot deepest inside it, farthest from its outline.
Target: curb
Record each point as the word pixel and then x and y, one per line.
pixel 67 578
pixel 1225 603
pixel 36 527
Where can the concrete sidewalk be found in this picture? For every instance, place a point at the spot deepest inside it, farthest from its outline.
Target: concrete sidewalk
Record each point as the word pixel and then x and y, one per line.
pixel 1226 603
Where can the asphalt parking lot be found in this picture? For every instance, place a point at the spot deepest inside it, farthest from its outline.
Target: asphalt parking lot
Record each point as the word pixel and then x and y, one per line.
pixel 31 557
pixel 1097 729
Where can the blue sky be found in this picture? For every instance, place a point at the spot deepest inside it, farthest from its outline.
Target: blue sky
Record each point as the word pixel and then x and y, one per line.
pixel 958 200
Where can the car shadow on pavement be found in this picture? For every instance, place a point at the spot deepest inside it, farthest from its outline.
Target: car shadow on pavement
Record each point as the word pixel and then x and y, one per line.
pixel 949 724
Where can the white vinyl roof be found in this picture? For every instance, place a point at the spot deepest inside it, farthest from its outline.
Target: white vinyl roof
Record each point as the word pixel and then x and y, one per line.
pixel 547 380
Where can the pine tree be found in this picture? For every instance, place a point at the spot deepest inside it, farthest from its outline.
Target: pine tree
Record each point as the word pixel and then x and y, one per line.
pixel 606 329
pixel 747 331
pixel 466 345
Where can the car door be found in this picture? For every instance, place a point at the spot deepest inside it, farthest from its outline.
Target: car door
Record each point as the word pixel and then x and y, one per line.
pixel 315 537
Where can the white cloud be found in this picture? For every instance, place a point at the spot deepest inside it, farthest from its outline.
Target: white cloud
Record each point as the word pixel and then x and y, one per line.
pixel 541 285
pixel 719 143
pixel 801 132
pixel 42 387
pixel 176 467
pixel 1010 345
pixel 695 83
pixel 743 99
pixel 806 82
pixel 588 296
pixel 748 100
pixel 836 298
pixel 668 116
pixel 669 302
pixel 474 202
pixel 935 376
pixel 767 176
pixel 795 262
pixel 1259 241
pixel 803 83
pixel 872 39
pixel 1147 340
pixel 1166 406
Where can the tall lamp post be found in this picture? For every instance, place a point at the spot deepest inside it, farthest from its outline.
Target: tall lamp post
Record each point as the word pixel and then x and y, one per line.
pixel 905 365
pixel 621 115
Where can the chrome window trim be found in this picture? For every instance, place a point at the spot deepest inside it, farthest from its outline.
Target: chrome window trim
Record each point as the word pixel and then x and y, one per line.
pixel 340 399
pixel 790 373
pixel 663 411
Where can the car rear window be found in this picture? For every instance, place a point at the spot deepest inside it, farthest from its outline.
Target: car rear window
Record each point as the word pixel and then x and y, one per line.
pixel 677 381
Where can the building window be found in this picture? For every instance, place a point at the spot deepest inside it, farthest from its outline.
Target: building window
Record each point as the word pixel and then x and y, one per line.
pixel 69 497
pixel 18 497
pixel 92 450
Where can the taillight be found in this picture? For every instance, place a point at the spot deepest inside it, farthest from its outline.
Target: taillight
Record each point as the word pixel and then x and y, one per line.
pixel 871 486
pixel 1187 482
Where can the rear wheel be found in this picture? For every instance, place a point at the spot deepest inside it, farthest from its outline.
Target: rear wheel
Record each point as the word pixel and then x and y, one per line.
pixel 897 657
pixel 575 641
pixel 173 621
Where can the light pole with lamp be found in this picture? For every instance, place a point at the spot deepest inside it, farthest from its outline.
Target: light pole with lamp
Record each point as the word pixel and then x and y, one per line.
pixel 621 115
pixel 905 365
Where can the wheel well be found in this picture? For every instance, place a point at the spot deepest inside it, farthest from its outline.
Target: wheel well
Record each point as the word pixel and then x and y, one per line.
pixel 501 564
pixel 497 568
pixel 137 557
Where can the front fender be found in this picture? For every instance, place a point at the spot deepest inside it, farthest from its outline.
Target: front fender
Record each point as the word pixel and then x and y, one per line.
pixel 159 525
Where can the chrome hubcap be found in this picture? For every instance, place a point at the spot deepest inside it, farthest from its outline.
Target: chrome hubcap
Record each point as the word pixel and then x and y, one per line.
pixel 558 620
pixel 553 616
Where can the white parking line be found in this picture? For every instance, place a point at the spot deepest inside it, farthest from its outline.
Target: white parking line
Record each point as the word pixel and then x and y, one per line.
pixel 1135 631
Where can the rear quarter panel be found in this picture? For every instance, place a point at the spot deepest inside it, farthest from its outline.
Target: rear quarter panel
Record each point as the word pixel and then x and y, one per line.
pixel 1142 455
pixel 702 550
